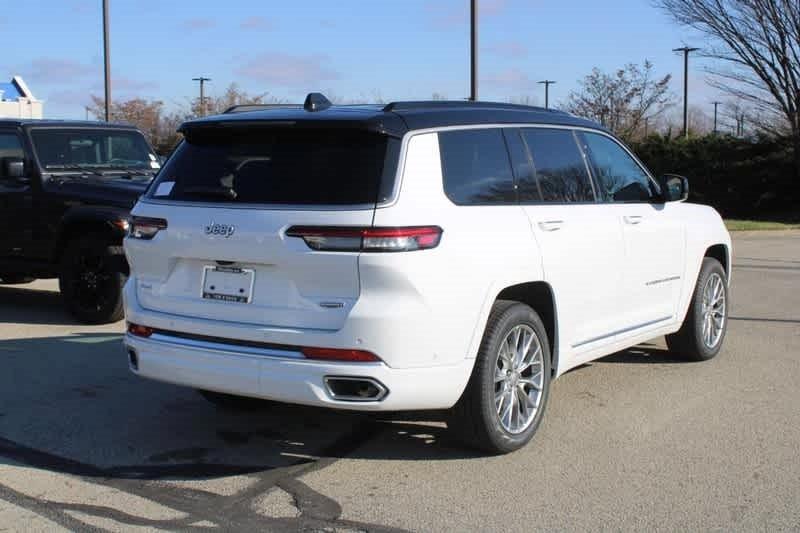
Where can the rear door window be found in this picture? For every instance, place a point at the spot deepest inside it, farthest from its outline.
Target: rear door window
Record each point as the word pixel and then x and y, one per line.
pixel 476 167
pixel 559 166
pixel 278 166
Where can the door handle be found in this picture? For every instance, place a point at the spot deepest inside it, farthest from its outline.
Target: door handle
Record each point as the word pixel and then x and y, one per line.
pixel 633 219
pixel 551 225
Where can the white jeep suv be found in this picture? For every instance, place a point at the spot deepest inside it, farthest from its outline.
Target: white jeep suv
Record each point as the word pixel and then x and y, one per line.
pixel 453 256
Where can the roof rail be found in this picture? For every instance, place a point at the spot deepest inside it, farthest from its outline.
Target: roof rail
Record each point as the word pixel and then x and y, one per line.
pixel 244 108
pixel 446 104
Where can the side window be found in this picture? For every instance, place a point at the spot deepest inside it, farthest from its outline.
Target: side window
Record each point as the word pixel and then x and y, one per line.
pixel 619 176
pixel 10 146
pixel 476 167
pixel 559 165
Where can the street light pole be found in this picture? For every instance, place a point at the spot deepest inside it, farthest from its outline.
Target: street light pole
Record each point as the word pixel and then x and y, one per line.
pixel 473 50
pixel 107 55
pixel 547 84
pixel 202 81
pixel 715 116
pixel 685 50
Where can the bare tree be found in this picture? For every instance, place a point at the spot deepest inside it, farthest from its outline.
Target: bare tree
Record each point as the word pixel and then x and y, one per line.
pixel 621 101
pixel 233 95
pixel 758 45
pixel 524 99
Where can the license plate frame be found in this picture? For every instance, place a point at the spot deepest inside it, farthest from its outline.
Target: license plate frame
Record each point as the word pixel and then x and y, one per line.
pixel 236 282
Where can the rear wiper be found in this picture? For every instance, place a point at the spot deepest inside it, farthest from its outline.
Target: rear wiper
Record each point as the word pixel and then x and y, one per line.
pixel 215 192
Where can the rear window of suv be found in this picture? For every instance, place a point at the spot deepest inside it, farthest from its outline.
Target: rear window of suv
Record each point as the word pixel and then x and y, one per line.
pixel 280 166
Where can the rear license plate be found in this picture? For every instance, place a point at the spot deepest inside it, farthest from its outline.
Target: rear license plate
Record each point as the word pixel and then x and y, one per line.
pixel 228 284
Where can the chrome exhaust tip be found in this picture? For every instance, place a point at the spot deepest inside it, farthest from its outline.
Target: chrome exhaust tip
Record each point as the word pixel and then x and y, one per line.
pixel 355 389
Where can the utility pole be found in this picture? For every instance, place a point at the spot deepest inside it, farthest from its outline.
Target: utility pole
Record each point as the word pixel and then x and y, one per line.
pixel 716 104
pixel 107 55
pixel 547 84
pixel 685 50
pixel 473 50
pixel 646 124
pixel 87 112
pixel 202 81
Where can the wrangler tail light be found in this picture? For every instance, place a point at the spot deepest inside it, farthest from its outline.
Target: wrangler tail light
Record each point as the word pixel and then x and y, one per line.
pixel 145 228
pixel 354 239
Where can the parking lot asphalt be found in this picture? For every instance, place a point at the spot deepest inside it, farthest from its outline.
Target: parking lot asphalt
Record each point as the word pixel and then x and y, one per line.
pixel 638 440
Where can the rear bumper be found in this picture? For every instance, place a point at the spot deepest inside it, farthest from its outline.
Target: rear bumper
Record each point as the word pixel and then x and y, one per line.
pixel 294 380
pixel 280 375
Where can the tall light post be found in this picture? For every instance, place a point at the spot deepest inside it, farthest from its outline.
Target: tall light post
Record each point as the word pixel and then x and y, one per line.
pixel 686 50
pixel 547 84
pixel 202 81
pixel 473 50
pixel 715 116
pixel 107 56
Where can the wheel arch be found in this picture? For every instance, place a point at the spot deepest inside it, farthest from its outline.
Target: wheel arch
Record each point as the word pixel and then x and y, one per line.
pixel 721 253
pixel 109 222
pixel 540 297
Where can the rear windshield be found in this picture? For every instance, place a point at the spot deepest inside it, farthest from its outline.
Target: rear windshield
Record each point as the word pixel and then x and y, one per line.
pixel 279 166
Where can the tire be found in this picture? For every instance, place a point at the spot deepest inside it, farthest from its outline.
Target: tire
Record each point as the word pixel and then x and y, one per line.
pixel 15 279
pixel 476 419
pixel 93 271
pixel 692 340
pixel 232 403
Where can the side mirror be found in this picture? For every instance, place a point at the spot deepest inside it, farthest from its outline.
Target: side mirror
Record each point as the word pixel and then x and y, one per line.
pixel 674 188
pixel 13 168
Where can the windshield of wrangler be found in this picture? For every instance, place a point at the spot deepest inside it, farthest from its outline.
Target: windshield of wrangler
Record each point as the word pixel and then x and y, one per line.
pixel 95 149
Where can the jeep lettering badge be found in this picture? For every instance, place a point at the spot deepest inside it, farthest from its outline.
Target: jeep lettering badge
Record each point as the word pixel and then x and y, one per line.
pixel 226 230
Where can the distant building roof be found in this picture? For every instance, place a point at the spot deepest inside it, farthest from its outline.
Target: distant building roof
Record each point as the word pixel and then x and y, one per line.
pixel 14 89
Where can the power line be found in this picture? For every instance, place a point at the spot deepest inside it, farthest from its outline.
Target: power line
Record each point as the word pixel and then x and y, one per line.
pixel 685 50
pixel 547 84
pixel 716 104
pixel 473 50
pixel 202 80
pixel 107 59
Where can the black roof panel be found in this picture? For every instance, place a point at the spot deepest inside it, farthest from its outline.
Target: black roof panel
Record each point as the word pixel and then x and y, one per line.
pixel 30 122
pixel 395 118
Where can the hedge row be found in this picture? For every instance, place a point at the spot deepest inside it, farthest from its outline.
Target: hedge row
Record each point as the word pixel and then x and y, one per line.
pixel 739 177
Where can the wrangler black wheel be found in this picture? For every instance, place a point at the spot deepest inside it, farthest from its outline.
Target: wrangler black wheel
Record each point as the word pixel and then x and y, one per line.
pixel 93 271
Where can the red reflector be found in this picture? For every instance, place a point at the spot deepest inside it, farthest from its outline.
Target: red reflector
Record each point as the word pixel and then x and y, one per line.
pixel 334 354
pixel 139 331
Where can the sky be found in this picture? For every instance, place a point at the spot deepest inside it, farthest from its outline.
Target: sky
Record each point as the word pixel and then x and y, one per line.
pixel 353 49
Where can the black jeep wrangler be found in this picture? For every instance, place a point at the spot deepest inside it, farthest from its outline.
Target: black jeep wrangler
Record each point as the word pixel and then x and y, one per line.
pixel 66 189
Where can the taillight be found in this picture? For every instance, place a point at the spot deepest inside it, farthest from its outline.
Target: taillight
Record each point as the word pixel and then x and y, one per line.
pixel 336 354
pixel 145 227
pixel 139 331
pixel 349 239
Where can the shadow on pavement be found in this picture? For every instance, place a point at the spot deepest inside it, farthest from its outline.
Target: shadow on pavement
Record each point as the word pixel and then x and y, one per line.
pixel 69 404
pixel 21 305
pixel 644 354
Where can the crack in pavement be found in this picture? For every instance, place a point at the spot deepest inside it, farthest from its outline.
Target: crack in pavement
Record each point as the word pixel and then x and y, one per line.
pixel 236 512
